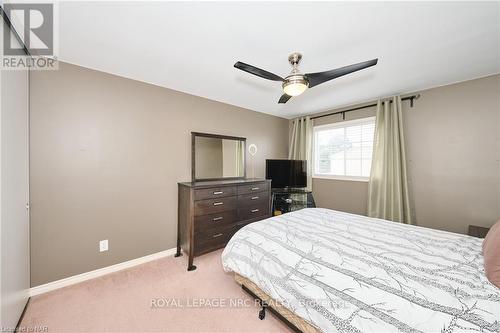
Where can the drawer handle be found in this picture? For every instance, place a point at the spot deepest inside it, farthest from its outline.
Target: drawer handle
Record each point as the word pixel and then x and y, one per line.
pixel 254 198
pixel 254 210
pixel 254 188
pixel 218 203
pixel 218 192
pixel 217 218
pixel 218 235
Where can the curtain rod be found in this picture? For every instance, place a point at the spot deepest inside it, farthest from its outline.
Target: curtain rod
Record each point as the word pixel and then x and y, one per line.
pixel 410 98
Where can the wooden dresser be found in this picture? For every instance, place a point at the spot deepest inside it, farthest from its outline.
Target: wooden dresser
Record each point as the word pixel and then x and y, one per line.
pixel 209 213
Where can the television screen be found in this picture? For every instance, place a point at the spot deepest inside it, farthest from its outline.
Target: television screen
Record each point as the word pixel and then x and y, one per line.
pixel 286 173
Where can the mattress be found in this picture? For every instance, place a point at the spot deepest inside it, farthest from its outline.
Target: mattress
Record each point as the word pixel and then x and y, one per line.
pixel 342 272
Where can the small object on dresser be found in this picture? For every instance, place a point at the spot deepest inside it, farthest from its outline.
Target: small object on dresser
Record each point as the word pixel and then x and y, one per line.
pixel 477 231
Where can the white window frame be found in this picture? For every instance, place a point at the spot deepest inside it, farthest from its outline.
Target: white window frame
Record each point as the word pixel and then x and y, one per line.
pixel 339 124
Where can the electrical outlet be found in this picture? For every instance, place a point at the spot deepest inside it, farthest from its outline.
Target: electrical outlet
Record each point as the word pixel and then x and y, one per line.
pixel 103 245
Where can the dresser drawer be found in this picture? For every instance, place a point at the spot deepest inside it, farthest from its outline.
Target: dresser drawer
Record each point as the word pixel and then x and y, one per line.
pixel 212 239
pixel 214 192
pixel 212 206
pixel 214 221
pixel 252 199
pixel 253 211
pixel 253 188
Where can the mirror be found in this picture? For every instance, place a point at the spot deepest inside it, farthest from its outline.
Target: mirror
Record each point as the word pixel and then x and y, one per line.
pixel 217 157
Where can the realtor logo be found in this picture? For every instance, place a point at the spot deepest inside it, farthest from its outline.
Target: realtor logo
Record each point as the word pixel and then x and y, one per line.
pixel 29 36
pixel 37 30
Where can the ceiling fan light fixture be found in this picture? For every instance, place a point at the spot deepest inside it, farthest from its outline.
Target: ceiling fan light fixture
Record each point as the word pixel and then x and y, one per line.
pixel 295 85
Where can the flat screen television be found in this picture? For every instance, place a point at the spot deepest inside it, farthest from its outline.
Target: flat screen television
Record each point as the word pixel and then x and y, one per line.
pixel 286 173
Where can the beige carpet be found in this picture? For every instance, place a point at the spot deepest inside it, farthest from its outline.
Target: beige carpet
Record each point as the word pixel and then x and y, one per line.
pixel 205 300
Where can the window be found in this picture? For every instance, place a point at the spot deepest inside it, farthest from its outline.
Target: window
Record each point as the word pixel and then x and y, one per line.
pixel 344 150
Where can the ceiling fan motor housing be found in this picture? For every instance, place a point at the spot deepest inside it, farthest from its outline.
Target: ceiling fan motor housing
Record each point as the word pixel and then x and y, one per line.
pixel 294 58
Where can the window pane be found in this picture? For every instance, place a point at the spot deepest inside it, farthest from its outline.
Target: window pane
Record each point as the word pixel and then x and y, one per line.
pixel 324 166
pixel 344 150
pixel 368 132
pixel 367 151
pixel 366 166
pixel 353 167
pixel 353 133
pixel 338 167
pixel 354 151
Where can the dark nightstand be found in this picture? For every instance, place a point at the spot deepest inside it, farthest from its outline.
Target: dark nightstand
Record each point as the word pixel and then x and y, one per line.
pixel 478 231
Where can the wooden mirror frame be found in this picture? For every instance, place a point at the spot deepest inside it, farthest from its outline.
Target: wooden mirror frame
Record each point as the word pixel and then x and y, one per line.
pixel 216 136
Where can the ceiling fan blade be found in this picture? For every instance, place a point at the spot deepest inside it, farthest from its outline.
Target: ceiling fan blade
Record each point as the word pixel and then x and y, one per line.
pixel 257 71
pixel 321 77
pixel 284 98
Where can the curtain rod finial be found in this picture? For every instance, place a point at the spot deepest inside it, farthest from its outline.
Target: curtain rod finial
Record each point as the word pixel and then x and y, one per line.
pixel 417 96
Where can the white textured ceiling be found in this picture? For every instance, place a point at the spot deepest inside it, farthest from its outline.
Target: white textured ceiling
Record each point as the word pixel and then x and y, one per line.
pixel 191 47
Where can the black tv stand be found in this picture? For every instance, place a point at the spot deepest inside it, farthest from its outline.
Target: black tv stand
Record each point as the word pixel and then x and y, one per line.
pixel 285 200
pixel 290 190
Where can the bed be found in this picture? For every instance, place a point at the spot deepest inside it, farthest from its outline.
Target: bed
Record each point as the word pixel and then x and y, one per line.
pixel 331 271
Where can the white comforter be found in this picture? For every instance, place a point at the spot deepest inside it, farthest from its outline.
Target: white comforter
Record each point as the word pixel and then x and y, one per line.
pixel 349 273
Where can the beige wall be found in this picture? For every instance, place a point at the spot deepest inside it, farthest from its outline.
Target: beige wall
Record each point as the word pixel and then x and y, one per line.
pixel 453 152
pixel 106 154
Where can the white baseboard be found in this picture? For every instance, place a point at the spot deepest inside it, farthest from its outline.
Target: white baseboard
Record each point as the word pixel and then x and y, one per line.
pixel 98 272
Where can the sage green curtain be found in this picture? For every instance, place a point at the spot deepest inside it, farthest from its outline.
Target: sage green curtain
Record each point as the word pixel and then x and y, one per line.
pixel 300 147
pixel 388 196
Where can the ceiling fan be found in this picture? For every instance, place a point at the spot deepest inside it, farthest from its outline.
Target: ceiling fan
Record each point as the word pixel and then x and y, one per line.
pixel 296 83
